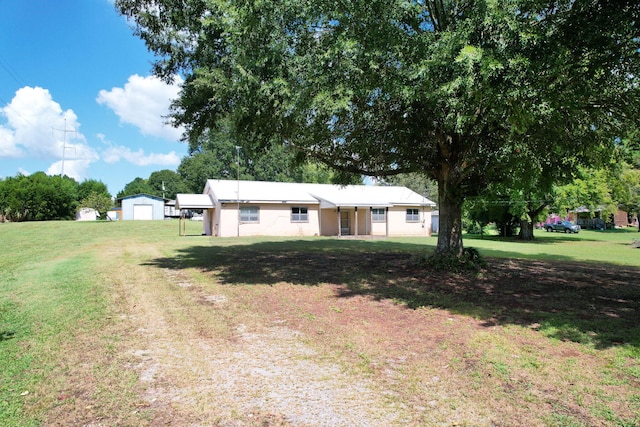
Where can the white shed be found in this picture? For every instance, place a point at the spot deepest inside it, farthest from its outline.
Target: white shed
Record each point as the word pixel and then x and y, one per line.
pixel 86 214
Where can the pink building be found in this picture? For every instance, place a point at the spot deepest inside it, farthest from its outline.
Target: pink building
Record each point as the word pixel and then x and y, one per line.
pixel 258 208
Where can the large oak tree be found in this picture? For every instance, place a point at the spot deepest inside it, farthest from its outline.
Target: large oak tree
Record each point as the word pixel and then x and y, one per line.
pixel 458 90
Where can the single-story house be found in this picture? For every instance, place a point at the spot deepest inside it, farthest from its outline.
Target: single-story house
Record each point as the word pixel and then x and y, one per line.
pixel 86 214
pixel 587 218
pixel 142 207
pixel 258 208
pixel 621 219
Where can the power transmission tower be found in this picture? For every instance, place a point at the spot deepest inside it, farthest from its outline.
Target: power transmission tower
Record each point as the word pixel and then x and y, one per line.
pixel 64 142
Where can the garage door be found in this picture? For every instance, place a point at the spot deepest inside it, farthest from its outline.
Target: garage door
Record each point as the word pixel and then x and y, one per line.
pixel 142 211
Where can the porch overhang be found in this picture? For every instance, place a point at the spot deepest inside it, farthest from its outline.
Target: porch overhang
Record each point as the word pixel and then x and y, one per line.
pixel 325 204
pixel 194 201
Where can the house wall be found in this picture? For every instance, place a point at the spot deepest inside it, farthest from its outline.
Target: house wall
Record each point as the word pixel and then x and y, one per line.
pixel 329 219
pixel 364 221
pixel 377 228
pixel 129 204
pixel 275 220
pixel 621 218
pixel 115 214
pixel 398 225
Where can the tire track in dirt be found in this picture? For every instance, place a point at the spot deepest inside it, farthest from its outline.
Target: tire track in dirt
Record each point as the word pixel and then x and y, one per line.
pixel 199 366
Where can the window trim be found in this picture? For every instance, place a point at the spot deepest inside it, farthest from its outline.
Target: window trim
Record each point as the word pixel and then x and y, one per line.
pixel 302 217
pixel 414 216
pixel 247 217
pixel 375 216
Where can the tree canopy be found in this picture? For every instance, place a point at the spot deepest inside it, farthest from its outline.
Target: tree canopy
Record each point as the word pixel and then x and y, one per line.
pixel 91 186
pixel 167 183
pixel 38 197
pixel 214 155
pixel 137 186
pixel 95 195
pixel 461 91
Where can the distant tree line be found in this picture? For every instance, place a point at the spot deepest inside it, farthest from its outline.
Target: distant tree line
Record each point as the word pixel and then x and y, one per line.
pixel 515 209
pixel 40 197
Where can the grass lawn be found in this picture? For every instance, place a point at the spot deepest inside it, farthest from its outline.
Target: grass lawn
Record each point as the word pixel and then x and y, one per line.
pixel 114 324
pixel 610 247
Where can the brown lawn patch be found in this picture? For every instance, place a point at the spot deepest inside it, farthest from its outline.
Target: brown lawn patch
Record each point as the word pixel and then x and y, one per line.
pixel 269 336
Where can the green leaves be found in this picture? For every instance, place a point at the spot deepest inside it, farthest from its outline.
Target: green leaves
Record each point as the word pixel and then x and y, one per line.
pixel 443 88
pixel 38 197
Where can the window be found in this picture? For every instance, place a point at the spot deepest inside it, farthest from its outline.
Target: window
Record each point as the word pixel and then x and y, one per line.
pixel 377 215
pixel 250 214
pixel 299 214
pixel 413 215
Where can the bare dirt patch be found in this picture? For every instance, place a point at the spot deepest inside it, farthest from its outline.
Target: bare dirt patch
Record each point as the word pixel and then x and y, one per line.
pixel 270 336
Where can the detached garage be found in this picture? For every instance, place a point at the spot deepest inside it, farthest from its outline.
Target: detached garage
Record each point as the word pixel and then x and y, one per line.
pixel 142 207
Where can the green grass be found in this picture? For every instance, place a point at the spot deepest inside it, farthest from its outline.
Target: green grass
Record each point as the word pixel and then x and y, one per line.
pixel 49 293
pixel 50 289
pixel 611 247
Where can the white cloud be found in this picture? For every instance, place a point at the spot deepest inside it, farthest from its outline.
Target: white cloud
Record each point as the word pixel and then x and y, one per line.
pixel 36 124
pixel 8 147
pixel 114 154
pixel 37 127
pixel 76 168
pixel 144 102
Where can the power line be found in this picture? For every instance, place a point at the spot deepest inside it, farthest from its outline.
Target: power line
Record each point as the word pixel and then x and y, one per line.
pixel 510 202
pixel 4 64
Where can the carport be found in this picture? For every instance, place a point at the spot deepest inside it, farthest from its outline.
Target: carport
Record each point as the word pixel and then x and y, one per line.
pixel 201 202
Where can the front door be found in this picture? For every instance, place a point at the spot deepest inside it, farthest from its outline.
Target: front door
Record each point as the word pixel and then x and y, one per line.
pixel 344 223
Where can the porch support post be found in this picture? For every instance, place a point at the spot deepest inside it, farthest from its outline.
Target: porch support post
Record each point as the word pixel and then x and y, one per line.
pixel 356 215
pixel 339 223
pixel 386 221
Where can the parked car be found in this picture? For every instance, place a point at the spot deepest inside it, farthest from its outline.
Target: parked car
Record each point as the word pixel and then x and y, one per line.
pixel 562 226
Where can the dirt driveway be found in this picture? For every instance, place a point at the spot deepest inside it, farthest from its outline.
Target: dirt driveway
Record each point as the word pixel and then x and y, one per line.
pixel 238 337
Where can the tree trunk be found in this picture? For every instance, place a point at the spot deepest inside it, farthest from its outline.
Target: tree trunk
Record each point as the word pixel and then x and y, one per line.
pixel 450 225
pixel 526 230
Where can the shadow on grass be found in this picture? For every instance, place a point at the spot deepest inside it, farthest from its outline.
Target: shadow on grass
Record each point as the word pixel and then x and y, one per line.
pixel 541 238
pixel 6 335
pixel 594 304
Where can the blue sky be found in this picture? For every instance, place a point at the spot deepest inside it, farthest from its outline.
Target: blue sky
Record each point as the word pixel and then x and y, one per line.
pixel 76 65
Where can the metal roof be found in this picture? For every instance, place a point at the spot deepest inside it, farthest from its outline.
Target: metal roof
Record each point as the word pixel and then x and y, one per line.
pixel 327 195
pixel 194 201
pixel 133 196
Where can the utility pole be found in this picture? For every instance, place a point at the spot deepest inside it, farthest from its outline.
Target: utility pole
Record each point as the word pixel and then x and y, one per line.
pixel 64 142
pixel 238 186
